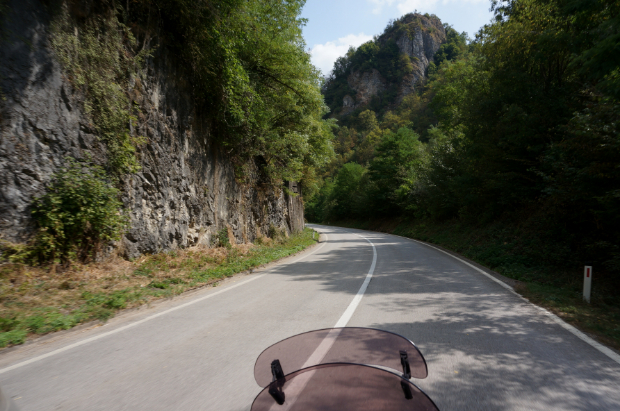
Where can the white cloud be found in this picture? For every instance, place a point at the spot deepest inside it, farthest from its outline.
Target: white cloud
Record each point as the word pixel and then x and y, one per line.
pixel 380 4
pixel 324 55
pixel 407 6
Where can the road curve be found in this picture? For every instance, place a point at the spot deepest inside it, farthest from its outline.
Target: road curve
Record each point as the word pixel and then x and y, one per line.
pixel 486 348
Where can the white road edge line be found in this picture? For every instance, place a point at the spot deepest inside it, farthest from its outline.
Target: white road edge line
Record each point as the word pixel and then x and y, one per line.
pixel 342 322
pixel 609 353
pixel 117 330
pixel 309 254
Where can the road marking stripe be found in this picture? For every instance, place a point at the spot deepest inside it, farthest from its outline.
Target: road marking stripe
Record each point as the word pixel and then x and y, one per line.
pixel 123 328
pixel 297 385
pixel 608 352
pixel 577 333
pixel 342 322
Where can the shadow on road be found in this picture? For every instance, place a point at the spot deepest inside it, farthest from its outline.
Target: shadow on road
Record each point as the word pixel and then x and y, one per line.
pixel 486 349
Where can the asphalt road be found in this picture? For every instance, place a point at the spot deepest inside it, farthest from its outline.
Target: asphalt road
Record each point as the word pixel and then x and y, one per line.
pixel 486 348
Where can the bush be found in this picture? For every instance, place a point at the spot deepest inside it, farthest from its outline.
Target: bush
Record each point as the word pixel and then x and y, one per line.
pixel 79 213
pixel 277 234
pixel 221 238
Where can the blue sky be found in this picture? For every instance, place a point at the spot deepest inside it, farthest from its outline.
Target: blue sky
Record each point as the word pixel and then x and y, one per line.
pixel 333 25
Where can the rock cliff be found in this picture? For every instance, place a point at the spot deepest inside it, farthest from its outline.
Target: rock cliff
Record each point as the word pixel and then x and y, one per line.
pixel 185 190
pixel 367 84
pixel 418 37
pixel 420 46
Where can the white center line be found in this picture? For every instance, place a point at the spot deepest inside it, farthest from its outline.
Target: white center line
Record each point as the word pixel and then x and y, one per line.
pixel 317 356
pixel 295 386
pixel 342 322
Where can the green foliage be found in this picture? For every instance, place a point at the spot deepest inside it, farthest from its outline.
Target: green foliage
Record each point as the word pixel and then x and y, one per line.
pixel 382 54
pixel 454 47
pixel 393 171
pixel 221 238
pixel 245 60
pixel 521 122
pixel 250 73
pixel 100 60
pixel 318 208
pixel 346 196
pixel 77 216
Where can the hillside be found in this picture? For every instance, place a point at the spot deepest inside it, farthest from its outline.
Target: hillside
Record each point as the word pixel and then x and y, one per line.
pixel 383 71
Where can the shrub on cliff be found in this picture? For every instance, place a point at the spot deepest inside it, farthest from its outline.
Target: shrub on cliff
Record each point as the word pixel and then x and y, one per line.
pixel 77 216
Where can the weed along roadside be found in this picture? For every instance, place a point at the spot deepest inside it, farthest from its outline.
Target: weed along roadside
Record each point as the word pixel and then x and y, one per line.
pixel 35 301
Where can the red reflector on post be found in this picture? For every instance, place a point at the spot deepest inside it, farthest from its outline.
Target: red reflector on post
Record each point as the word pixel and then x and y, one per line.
pixel 587 282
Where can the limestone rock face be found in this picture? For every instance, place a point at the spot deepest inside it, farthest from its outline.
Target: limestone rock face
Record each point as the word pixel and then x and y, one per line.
pixel 186 188
pixel 420 48
pixel 348 102
pixel 425 36
pixel 367 85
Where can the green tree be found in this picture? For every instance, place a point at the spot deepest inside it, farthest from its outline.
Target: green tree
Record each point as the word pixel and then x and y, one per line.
pixel 252 76
pixel 394 170
pixel 346 192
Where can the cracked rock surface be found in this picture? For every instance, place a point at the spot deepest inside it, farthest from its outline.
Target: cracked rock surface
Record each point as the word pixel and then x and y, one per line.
pixel 186 189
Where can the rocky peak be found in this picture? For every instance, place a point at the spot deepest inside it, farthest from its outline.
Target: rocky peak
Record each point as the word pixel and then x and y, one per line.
pixel 412 41
pixel 420 45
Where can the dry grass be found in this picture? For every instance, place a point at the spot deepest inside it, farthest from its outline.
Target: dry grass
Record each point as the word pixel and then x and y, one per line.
pixel 54 286
pixel 35 300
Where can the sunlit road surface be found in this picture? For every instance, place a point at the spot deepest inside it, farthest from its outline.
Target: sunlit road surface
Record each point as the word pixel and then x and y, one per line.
pixel 486 348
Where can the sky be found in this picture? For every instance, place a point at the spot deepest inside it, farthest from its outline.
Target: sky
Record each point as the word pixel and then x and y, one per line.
pixel 334 25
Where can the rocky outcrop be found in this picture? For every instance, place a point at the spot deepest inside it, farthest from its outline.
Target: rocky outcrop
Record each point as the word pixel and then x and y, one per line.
pixel 367 85
pixel 421 46
pixel 186 189
pixel 420 41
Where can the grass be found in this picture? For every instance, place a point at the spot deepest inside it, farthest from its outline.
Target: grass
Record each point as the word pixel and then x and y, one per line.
pixel 528 258
pixel 34 301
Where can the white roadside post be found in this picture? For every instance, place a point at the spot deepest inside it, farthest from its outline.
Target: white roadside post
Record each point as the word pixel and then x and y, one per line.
pixel 587 282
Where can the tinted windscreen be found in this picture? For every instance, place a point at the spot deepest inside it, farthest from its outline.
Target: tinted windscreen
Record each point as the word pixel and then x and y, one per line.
pixel 342 387
pixel 350 344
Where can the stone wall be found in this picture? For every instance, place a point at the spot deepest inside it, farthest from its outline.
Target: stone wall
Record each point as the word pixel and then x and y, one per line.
pixel 186 189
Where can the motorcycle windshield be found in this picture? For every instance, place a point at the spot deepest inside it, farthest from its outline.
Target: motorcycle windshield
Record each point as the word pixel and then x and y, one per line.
pixel 349 344
pixel 342 387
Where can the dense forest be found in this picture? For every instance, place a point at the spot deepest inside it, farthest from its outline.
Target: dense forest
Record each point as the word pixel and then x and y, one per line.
pixel 516 129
